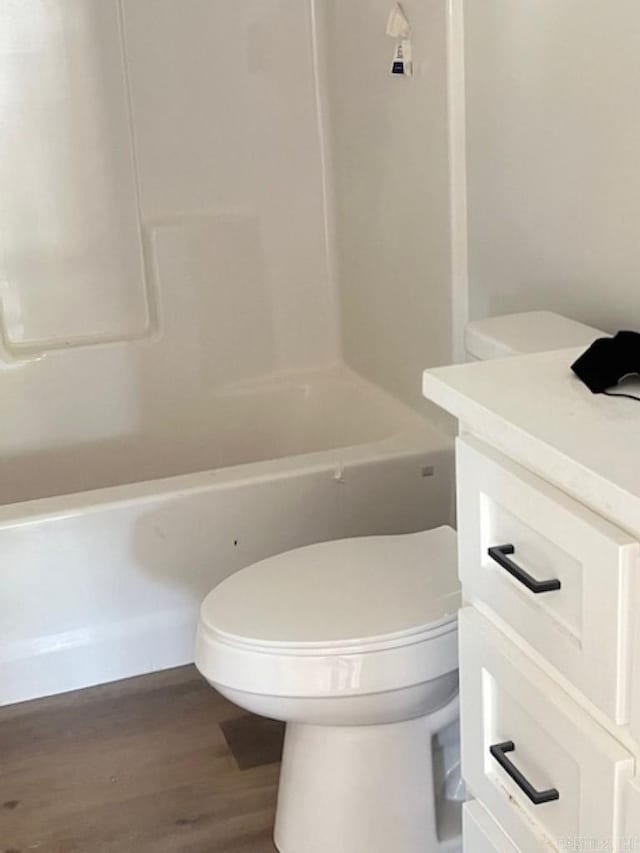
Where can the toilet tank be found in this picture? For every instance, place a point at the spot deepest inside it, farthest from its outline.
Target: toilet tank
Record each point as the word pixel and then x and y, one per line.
pixel 517 334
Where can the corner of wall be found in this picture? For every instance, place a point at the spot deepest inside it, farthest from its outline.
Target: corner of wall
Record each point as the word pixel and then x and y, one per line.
pixel 458 178
pixel 323 113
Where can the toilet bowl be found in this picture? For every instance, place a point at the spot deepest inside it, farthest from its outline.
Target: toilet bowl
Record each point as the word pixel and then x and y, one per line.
pixel 353 644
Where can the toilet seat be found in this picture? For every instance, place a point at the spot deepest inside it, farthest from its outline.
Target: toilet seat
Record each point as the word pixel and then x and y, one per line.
pixel 346 617
pixel 340 593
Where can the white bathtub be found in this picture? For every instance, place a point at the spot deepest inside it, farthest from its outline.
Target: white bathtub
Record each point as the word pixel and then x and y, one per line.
pixel 107 550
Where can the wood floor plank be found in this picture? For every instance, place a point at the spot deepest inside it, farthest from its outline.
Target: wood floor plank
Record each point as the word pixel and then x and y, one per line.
pixel 134 767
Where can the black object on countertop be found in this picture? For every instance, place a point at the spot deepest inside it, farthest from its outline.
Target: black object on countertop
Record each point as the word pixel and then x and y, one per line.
pixel 608 361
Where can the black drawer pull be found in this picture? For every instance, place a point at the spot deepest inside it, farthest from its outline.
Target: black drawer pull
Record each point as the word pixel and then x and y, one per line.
pixel 499 554
pixel 537 797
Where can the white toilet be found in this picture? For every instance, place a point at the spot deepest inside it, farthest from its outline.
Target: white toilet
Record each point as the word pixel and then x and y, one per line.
pixel 353 643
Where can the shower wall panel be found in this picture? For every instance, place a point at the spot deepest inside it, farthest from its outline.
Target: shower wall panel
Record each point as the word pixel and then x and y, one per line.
pixel 71 266
pixel 389 149
pixel 162 220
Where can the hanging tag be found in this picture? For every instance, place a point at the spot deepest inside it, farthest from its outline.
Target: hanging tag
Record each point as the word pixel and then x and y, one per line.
pixel 403 59
pixel 398 27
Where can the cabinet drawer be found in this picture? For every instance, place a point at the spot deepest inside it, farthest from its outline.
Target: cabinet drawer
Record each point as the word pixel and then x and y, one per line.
pixel 542 767
pixel 635 663
pixel 564 581
pixel 481 834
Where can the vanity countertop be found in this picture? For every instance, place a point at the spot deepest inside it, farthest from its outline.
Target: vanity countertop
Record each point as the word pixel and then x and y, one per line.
pixel 535 410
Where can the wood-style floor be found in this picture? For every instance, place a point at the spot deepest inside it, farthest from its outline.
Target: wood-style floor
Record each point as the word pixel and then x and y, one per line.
pixel 160 763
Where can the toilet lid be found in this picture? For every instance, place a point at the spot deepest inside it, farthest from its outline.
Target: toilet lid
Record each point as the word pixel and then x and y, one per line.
pixel 341 592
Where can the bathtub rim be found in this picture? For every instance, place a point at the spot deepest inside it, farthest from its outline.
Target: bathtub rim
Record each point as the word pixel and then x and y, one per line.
pixel 425 437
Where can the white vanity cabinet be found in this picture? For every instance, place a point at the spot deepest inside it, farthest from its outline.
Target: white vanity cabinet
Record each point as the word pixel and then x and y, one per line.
pixel 632 815
pixel 482 834
pixel 548 482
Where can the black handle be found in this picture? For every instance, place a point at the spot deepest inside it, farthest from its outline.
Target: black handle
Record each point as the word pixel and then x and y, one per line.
pixel 498 751
pixel 499 554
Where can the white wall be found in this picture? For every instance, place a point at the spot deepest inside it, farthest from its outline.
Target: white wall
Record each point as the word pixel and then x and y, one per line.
pixel 389 157
pixel 162 218
pixel 553 121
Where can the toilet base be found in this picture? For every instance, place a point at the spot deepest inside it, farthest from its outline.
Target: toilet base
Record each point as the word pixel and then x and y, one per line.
pixel 361 789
